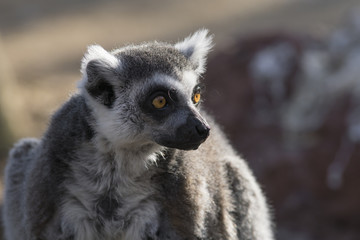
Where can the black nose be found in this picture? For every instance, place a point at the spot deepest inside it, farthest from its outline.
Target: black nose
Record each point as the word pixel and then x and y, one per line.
pixel 203 130
pixel 190 135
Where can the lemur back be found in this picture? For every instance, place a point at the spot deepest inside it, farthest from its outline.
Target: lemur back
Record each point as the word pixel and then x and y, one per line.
pixel 133 156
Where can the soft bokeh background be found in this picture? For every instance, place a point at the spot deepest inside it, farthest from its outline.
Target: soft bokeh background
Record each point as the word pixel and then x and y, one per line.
pixel 283 79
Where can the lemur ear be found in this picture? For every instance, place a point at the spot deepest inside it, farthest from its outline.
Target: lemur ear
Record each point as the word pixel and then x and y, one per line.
pixel 196 47
pixel 99 69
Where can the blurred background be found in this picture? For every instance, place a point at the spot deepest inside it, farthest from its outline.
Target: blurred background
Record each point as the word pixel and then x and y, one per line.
pixel 283 80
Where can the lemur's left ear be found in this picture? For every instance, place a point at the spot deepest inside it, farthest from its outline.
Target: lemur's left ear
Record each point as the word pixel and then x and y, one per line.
pixel 99 69
pixel 195 48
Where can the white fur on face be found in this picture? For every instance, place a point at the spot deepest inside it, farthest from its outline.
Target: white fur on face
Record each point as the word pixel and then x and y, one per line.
pixel 189 80
pixel 116 127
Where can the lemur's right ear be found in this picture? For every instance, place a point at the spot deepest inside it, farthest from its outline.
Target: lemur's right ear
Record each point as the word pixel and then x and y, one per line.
pixel 195 48
pixel 99 69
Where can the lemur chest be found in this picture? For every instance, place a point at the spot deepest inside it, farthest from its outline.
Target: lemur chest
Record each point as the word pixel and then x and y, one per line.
pixel 132 217
pixel 120 211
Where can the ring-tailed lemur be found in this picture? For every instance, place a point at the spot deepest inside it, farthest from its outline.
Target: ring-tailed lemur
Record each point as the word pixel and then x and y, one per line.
pixel 126 158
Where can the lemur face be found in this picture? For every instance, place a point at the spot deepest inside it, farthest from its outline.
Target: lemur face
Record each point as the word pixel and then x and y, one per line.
pixel 148 94
pixel 170 107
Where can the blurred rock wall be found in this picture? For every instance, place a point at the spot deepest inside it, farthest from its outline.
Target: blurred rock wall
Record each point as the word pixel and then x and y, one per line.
pixel 6 136
pixel 296 120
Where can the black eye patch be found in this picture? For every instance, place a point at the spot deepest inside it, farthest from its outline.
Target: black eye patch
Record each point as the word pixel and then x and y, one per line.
pixel 173 95
pixel 159 114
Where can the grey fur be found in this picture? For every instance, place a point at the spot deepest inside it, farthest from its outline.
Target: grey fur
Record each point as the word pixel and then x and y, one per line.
pixel 142 62
pixel 111 166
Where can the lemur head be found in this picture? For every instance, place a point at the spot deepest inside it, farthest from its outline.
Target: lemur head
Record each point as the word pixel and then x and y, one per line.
pixel 148 94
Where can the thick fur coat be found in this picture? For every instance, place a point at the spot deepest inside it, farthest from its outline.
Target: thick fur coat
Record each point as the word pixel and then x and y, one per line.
pixel 132 157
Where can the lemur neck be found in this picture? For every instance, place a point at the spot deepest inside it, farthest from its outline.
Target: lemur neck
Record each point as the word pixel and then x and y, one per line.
pixel 133 164
pixel 131 160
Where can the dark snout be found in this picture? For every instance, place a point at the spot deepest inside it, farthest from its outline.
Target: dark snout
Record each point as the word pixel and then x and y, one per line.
pixel 188 135
pixel 194 129
pixel 191 134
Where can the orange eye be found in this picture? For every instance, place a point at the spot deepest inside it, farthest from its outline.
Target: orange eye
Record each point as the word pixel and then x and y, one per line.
pixel 196 97
pixel 159 102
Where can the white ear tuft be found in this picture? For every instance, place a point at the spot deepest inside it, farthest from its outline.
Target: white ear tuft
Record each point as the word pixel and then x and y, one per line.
pixel 196 47
pixel 96 52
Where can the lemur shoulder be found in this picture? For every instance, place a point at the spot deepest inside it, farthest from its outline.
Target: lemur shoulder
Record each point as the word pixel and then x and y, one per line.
pixel 132 157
